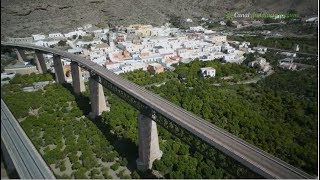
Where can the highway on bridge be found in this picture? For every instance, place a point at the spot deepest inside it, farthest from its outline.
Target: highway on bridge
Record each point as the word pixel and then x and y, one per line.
pixel 250 156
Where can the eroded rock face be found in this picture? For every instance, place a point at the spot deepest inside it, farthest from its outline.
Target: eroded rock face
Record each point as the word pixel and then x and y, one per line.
pixel 25 17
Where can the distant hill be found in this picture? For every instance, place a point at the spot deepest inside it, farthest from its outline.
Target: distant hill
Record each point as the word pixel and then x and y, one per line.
pixel 24 17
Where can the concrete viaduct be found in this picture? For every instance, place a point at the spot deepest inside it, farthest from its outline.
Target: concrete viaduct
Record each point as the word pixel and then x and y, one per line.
pixel 152 107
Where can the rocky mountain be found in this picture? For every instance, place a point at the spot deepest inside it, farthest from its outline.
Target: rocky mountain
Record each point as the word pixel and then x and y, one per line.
pixel 25 17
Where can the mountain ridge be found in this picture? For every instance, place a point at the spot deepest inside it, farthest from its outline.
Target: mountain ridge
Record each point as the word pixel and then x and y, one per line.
pixel 23 18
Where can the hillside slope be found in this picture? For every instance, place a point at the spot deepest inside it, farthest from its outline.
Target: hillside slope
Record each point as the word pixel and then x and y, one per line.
pixel 25 17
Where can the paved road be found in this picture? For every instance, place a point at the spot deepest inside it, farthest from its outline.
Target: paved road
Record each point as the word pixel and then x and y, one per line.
pixel 259 25
pixel 252 157
pixel 250 81
pixel 26 159
pixel 285 50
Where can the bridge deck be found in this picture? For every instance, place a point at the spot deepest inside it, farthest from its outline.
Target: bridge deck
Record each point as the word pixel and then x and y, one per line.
pixel 252 157
pixel 26 159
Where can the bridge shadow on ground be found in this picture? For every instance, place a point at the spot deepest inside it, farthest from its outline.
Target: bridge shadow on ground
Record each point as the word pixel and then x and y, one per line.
pixel 124 146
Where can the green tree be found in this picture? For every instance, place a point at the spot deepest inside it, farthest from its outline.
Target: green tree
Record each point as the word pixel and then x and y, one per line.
pixel 62 43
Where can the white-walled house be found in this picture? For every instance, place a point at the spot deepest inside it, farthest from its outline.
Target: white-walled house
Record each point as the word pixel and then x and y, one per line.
pixel 208 71
pixel 37 37
pixel 77 33
pixel 56 35
pixel 151 58
pixel 197 28
pixel 211 48
pixel 222 23
pixel 102 48
pixel 288 54
pixel 218 39
pixel 261 64
pixel 163 49
pixel 101 60
pixel 46 43
pixel 189 20
pixel 212 56
pixel 112 65
pixel 233 58
pixel 260 49
pixel 86 43
pixel 128 67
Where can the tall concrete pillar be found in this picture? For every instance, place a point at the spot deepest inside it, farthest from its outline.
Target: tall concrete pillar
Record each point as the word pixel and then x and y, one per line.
pixel 77 81
pixel 41 64
pixel 97 98
pixel 58 69
pixel 149 149
pixel 20 55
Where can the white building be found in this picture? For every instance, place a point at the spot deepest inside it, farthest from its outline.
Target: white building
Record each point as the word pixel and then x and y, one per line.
pixel 218 39
pixel 244 44
pixel 222 23
pixel 233 58
pixel 197 28
pixel 163 49
pixel 189 20
pixel 227 48
pixel 260 49
pixel 151 58
pixel 46 43
pixel 56 35
pixel 288 54
pixel 128 67
pixel 86 43
pixel 25 40
pixel 288 66
pixel 37 37
pixel 261 64
pixel 216 55
pixel 208 71
pixel 312 20
pixel 112 65
pixel 76 33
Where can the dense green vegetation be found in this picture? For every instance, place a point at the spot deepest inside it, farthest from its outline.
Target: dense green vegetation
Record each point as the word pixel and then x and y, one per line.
pixel 191 72
pixel 56 125
pixel 145 78
pixel 280 123
pixel 307 45
pixel 278 114
pixel 294 27
pixel 28 79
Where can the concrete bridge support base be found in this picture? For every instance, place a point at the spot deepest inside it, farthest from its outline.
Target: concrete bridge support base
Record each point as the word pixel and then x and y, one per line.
pixel 39 60
pixel 97 98
pixel 77 81
pixel 58 69
pixel 20 55
pixel 149 149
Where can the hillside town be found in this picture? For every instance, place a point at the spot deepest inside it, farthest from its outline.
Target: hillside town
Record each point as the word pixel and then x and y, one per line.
pixel 159 89
pixel 154 49
pixel 126 49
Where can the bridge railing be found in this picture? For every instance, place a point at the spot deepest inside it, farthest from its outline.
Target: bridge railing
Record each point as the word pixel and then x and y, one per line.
pixel 153 105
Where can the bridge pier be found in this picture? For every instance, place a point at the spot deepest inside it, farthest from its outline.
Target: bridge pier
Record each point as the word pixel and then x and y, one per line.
pixel 20 54
pixel 149 149
pixel 77 81
pixel 97 98
pixel 41 64
pixel 58 69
